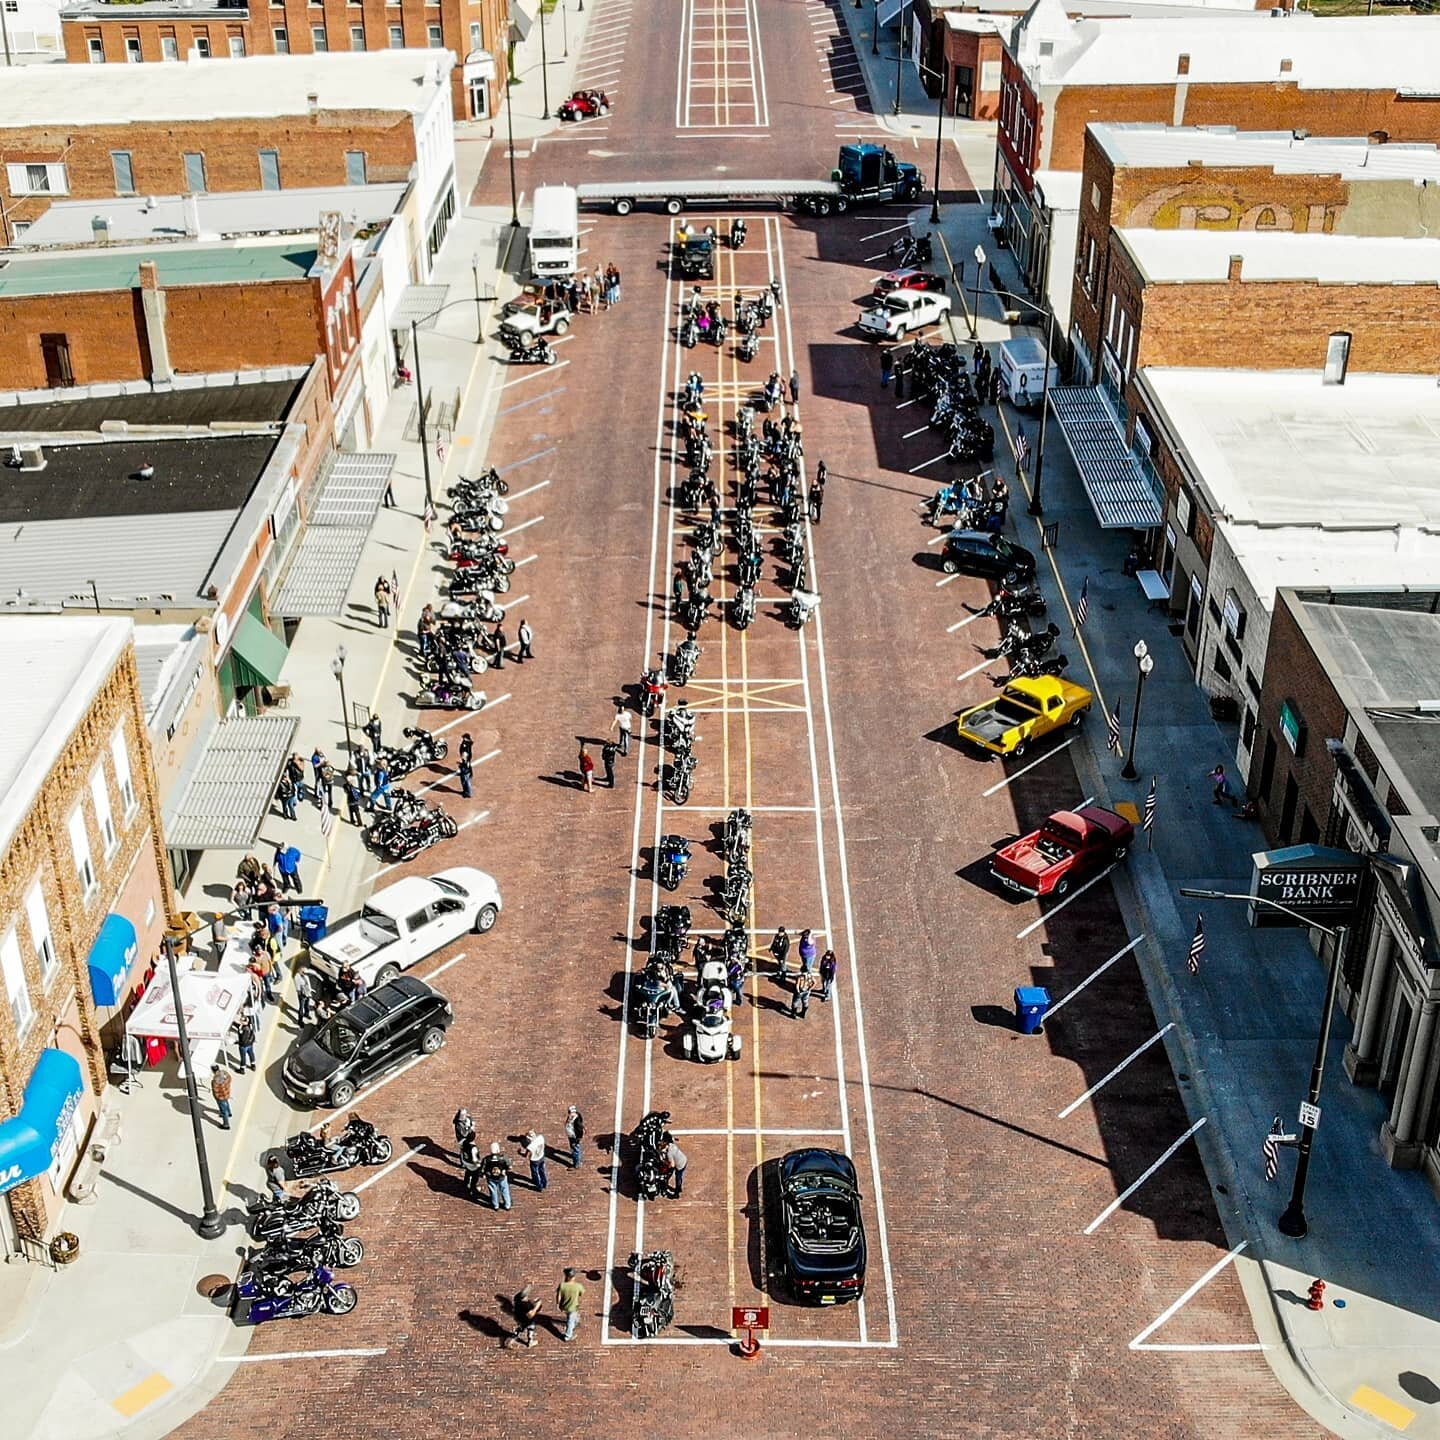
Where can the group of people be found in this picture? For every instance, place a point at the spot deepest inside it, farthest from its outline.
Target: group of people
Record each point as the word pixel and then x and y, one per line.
pixel 811 973
pixel 588 291
pixel 492 1167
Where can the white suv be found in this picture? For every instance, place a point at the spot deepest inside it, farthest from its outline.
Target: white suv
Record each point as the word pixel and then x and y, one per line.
pixel 902 311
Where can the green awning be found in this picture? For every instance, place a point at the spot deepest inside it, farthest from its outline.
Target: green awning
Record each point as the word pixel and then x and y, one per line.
pixel 259 653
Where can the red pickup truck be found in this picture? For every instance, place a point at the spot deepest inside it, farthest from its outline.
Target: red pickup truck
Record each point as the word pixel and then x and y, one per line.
pixel 1070 845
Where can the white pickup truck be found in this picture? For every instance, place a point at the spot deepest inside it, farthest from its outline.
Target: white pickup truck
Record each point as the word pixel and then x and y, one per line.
pixel 902 311
pixel 403 923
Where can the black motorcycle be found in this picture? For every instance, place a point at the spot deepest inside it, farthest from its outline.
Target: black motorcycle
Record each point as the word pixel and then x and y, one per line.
pixel 540 353
pixel 652 995
pixel 672 927
pixel 328 1245
pixel 742 607
pixel 652 1308
pixel 273 1219
pixel 360 1143
pixel 428 828
pixel 1019 641
pixel 682 666
pixel 679 776
pixel 648 1138
pixel 674 861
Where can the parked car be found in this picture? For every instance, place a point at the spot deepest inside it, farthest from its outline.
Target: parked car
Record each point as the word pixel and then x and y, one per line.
pixel 1025 710
pixel 527 324
pixel 894 280
pixel 403 923
pixel 1068 847
pixel 583 104
pixel 993 557
pixel 822 1230
pixel 363 1041
pixel 903 311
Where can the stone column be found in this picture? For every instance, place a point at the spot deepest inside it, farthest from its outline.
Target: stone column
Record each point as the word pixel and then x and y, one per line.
pixel 1362 1064
pixel 1397 1138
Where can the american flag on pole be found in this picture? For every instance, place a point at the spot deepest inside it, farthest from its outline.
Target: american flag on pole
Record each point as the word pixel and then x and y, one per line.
pixel 1112 730
pixel 1022 448
pixel 1197 945
pixel 1082 608
pixel 1271 1151
pixel 1149 819
pixel 327 815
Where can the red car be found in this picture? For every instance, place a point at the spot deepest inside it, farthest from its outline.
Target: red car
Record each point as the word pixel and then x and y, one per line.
pixel 1069 846
pixel 910 280
pixel 585 103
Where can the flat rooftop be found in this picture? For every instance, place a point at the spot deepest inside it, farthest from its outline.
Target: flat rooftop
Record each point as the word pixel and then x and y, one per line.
pixel 1281 448
pixel 257 403
pixel 220 89
pixel 228 216
pixel 222 263
pixel 1386 656
pixel 1223 147
pixel 1414 741
pixel 1172 256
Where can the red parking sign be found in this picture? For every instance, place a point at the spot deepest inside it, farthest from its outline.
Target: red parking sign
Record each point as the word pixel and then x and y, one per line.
pixel 750 1317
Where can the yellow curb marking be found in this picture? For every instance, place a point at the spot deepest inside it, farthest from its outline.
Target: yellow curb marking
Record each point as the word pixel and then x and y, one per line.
pixel 1392 1412
pixel 149 1390
pixel 1128 810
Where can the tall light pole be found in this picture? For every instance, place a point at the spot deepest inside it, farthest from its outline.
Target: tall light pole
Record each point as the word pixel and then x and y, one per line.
pixel 1037 504
pixel 1292 1221
pixel 479 314
pixel 337 669
pixel 899 57
pixel 211 1225
pixel 939 136
pixel 980 259
pixel 875 31
pixel 565 28
pixel 544 65
pixel 420 392
pixel 510 135
pixel 1144 664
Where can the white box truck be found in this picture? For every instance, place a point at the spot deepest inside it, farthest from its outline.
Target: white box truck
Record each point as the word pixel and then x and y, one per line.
pixel 555 233
pixel 1022 371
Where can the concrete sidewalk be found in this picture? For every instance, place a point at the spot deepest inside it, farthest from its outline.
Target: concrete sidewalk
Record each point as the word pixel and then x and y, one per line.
pixel 1246 1025
pixel 123 1342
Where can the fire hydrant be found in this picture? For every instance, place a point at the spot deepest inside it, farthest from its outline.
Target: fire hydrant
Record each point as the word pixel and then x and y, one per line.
pixel 1317 1296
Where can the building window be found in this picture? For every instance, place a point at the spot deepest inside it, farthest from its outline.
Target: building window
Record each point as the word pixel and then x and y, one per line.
pixel 132 50
pixel 237 47
pixel 124 166
pixel 80 849
pixel 38 180
pixel 40 935
pixel 104 818
pixel 96 46
pixel 202 46
pixel 397 37
pixel 282 40
pixel 1337 359
pixel 318 38
pixel 269 169
pixel 16 986
pixel 433 37
pixel 195 181
pixel 477 35
pixel 355 168
pixel 357 37
pixel 120 758
pixel 169 48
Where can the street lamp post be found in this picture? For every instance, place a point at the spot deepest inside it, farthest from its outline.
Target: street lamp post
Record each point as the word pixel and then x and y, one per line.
pixel 565 28
pixel 875 31
pixel 899 57
pixel 479 313
pixel 939 136
pixel 420 392
pixel 1037 504
pixel 211 1225
pixel 337 669
pixel 1144 664
pixel 980 259
pixel 1292 1221
pixel 510 151
pixel 544 65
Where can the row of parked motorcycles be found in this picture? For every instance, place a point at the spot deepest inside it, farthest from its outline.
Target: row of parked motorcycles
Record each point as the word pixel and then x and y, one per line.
pixel 410 824
pixel 941 378
pixel 292 1272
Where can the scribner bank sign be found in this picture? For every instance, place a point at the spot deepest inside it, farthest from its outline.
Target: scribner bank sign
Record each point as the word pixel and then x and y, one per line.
pixel 1313 879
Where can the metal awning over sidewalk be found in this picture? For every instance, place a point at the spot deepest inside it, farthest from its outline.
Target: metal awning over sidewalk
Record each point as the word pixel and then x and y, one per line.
pixel 1120 495
pixel 319 574
pixel 417 305
pixel 230 791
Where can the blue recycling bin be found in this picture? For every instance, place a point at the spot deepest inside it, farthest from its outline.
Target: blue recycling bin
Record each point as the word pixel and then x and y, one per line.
pixel 314 922
pixel 1031 1004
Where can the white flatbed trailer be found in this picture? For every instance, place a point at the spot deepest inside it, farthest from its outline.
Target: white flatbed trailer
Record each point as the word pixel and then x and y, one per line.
pixel 675 196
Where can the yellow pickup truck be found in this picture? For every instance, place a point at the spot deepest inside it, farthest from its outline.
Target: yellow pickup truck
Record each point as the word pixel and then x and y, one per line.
pixel 1022 712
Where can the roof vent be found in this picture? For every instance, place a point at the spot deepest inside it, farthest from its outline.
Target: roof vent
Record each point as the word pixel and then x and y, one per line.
pixel 25 457
pixel 1429 707
pixel 312 101
pixel 100 228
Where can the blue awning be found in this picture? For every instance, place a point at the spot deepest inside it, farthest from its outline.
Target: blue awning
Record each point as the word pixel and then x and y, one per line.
pixel 28 1142
pixel 111 957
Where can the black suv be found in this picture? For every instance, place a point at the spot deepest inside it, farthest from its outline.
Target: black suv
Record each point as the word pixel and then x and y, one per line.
pixel 695 260
pixel 359 1043
pixel 993 557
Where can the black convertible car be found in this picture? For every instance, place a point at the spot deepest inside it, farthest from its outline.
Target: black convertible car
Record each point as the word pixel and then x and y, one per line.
pixel 824 1235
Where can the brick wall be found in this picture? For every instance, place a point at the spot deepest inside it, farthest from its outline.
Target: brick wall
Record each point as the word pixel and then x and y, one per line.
pixel 64 1008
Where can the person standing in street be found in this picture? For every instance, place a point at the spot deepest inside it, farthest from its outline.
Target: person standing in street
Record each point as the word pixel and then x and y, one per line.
pixel 899 382
pixel 568 1295
pixel 287 865
pixel 526 637
pixel 828 968
pixel 498 642
pixel 807 952
pixel 221 1082
pixel 245 1043
pixel 608 751
pixel 533 1149
pixel 780 949
pixel 466 771
pixel 496 1170
pixel 675 1162
pixel 467 747
pixel 463 1125
pixel 354 800
pixel 887 368
pixel 800 996
pixel 587 770
pixel 623 722
pixel 794 387
pixel 735 974
pixel 472 1162
pixel 219 934
pixel 371 730
pixel 526 1306
pixel 575 1133
pixel 382 603
pixel 1221 782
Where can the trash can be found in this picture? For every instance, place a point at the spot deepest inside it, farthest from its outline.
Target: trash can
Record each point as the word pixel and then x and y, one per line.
pixel 313 924
pixel 1031 1003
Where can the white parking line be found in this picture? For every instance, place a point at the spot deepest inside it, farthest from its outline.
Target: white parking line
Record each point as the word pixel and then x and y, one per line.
pixel 740 1130
pixel 523 525
pixel 1138 1343
pixel 1135 1054
pixel 1010 779
pixel 536 374
pixel 905 404
pixel 470 714
pixel 911 434
pixel 300 1355
pixel 441 969
pixel 1073 895
pixel 946 579
pixel 526 560
pixel 528 490
pixel 1129 1190
pixel 961 624
pixel 538 455
pixel 976 669
pixel 473 820
pixel 1094 975
pixel 926 464
pixel 395 1164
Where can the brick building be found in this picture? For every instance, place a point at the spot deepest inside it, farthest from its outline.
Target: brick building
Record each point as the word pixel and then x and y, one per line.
pixel 155 31
pixel 227 125
pixel 84 894
pixel 1360 76
pixel 1350 731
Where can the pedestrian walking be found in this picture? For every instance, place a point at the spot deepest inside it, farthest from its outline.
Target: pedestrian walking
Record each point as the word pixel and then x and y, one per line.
pixel 220 1086
pixel 828 968
pixel 675 1162
pixel 526 1306
pixel 287 865
pixel 575 1133
pixel 794 387
pixel 800 995
pixel 735 973
pixel 587 770
pixel 304 994
pixel 608 751
pixel 371 730
pixel 354 799
pixel 382 603
pixel 463 1125
pixel 496 1170
pixel 780 949
pixel 568 1295
pixel 380 798
pixel 467 746
pixel 1220 781
pixel 533 1149
pixel 275 1179
pixel 526 636
pixel 623 722
pixel 466 771
pixel 807 952
pixel 887 368
pixel 285 794
pixel 498 642
pixel 472 1163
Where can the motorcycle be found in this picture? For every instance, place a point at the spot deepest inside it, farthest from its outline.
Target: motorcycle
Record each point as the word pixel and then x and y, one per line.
pixel 358 1144
pixel 540 353
pixel 736 835
pixel 272 1219
pixel 474 583
pixel 652 690
pixel 1013 603
pixel 679 776
pixel 479 486
pixel 320 1292
pixel 803 604
pixel 328 1246
pixel 674 861
pixel 447 695
pixel 718 331
pixel 738 235
pixel 689 332
pixel 749 346
pixel 748 567
pixel 409 838
pixel 1017 641
pixel 737 893
pixel 680 726
pixel 1026 667
pixel 672 927
pixel 648 1138
pixel 652 1307
pixel 912 250
pixel 476 516
pixel 405 806
pixel 742 607
pixel 653 995
pixel 483 608
pixel 687 656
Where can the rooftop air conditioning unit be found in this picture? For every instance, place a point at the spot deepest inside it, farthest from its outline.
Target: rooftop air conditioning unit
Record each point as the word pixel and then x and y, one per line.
pixel 25 457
